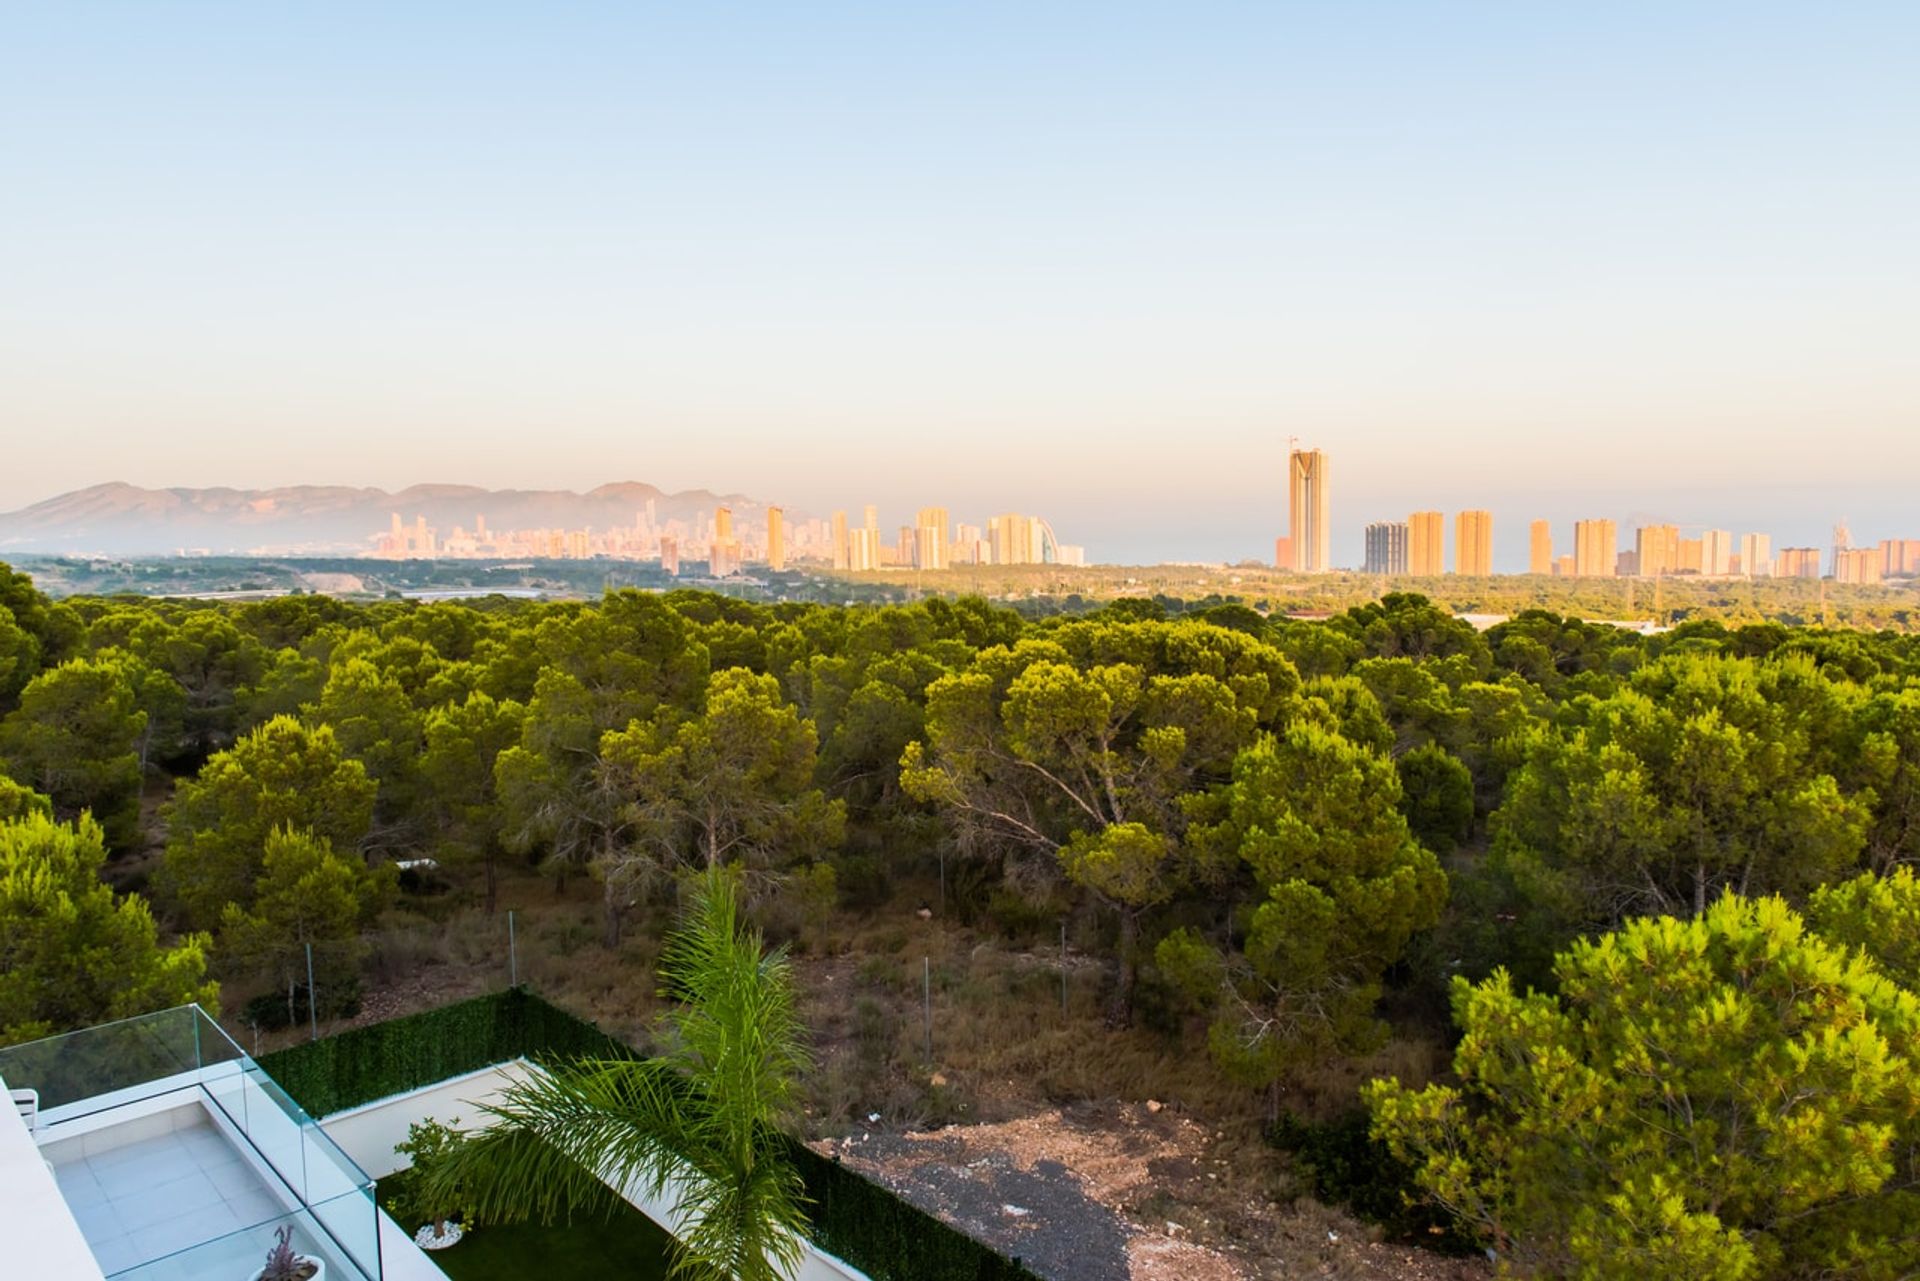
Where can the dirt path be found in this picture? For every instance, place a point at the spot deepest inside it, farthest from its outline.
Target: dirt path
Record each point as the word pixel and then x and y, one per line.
pixel 1123 1194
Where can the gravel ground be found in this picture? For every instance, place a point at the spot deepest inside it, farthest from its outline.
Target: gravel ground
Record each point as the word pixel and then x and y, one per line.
pixel 1123 1195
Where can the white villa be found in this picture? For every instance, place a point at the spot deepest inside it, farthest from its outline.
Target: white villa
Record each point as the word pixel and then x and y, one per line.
pixel 154 1149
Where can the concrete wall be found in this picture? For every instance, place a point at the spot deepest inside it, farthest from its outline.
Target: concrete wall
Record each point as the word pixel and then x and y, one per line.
pixel 368 1133
pixel 38 1234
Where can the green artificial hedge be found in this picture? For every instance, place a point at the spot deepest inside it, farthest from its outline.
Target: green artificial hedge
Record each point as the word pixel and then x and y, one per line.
pixel 853 1218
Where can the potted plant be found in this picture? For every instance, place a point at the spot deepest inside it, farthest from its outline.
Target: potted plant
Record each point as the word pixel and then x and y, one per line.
pixel 284 1263
pixel 444 1206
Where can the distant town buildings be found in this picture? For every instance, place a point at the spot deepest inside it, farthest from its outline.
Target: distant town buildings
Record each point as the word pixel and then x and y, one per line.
pixel 1309 535
pixel 1426 544
pixel 1717 552
pixel 1540 547
pixel 1899 557
pixel 1797 562
pixel 1596 545
pixel 1386 547
pixel 728 545
pixel 1656 550
pixel 931 546
pixel 1473 544
pixel 1856 565
pixel 776 538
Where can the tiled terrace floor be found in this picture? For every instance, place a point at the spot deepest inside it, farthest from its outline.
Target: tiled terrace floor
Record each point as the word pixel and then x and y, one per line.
pixel 147 1199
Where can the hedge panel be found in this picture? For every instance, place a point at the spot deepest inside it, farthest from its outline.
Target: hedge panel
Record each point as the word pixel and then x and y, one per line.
pixel 852 1217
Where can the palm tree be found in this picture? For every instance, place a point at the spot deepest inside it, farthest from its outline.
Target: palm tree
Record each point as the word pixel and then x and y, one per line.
pixel 702 1124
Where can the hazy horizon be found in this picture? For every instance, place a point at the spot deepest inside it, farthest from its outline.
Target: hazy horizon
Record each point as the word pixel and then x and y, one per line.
pixel 1093 262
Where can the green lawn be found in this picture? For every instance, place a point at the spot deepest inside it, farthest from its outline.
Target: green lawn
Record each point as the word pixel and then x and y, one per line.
pixel 629 1247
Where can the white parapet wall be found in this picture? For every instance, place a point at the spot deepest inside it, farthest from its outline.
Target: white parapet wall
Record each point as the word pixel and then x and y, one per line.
pixel 38 1235
pixel 369 1132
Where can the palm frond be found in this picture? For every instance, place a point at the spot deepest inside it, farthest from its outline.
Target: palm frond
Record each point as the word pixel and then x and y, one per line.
pixel 702 1125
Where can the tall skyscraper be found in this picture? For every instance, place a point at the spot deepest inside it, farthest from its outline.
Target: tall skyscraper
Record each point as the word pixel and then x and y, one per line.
pixel 776 538
pixel 873 519
pixel 863 549
pixel 1596 547
pixel 840 560
pixel 722 524
pixel 1717 552
pixel 1387 547
pixel 670 555
pixel 1658 549
pixel 930 538
pixel 1690 556
pixel 1427 544
pixel 1756 555
pixel 1540 547
pixel 1473 544
pixel 1307 527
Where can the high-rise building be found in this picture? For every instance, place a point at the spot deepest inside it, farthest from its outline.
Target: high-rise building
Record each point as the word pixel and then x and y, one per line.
pixel 776 539
pixel 930 538
pixel 1427 544
pixel 840 540
pixel 1564 566
pixel 1596 546
pixel 1717 552
pixel 1013 540
pixel 1657 548
pixel 722 524
pixel 1899 557
pixel 1842 542
pixel 969 548
pixel 1386 547
pixel 873 519
pixel 1473 544
pixel 577 545
pixel 1857 565
pixel 1283 553
pixel 1627 563
pixel 1689 555
pixel 1797 562
pixel 1756 555
pixel 670 555
pixel 1307 526
pixel 1540 548
pixel 904 550
pixel 863 549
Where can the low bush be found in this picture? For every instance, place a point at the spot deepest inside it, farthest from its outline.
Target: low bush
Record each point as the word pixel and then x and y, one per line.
pixel 1345 1165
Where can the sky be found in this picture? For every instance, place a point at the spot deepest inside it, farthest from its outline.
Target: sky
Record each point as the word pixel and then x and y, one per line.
pixel 1638 260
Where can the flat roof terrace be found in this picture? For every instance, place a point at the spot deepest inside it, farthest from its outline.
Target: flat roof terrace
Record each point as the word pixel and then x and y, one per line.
pixel 164 1149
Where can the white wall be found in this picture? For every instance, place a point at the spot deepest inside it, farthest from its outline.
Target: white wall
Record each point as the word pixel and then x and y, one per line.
pixel 368 1133
pixel 38 1234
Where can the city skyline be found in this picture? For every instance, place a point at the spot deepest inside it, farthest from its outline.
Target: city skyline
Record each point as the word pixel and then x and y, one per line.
pixel 809 254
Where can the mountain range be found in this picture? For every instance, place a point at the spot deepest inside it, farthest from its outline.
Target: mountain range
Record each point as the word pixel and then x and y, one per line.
pixel 119 519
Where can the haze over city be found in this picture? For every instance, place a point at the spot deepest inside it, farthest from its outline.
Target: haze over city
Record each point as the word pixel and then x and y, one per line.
pixel 1650 265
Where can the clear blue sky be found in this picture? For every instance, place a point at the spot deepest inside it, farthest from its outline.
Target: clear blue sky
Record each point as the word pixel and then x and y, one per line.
pixel 1094 260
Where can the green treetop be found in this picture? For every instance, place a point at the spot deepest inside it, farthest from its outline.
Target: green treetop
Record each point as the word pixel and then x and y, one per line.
pixel 1726 1097
pixel 282 775
pixel 71 953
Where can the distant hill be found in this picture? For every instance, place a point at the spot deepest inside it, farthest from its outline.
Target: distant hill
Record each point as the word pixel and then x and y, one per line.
pixel 126 520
